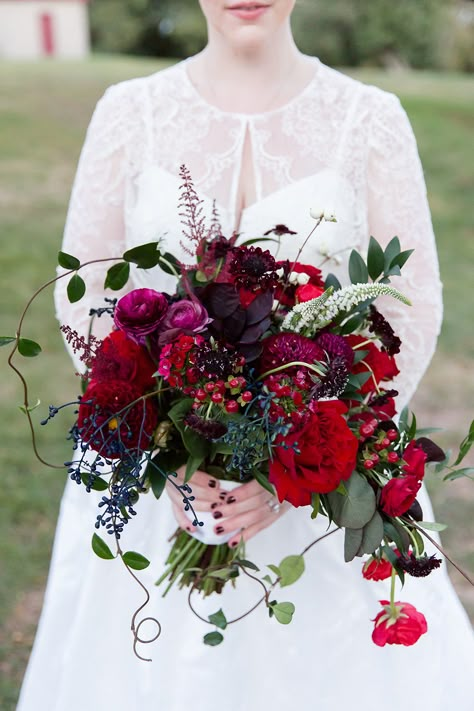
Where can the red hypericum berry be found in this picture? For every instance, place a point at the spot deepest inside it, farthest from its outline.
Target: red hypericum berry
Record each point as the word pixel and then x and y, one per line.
pixel 375 458
pixel 220 386
pixel 392 457
pixel 217 398
pixel 233 383
pixel 232 406
pixel 246 396
pixel 285 391
pixel 366 430
pixel 392 435
pixel 378 446
pixel 373 422
pixel 210 386
pixel 385 442
pixel 201 395
pixel 242 381
pixel 369 464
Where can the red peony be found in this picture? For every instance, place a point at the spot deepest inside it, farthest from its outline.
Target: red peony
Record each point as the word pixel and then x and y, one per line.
pixel 294 293
pixel 398 495
pixel 119 358
pixel 415 460
pixel 377 569
pixel 107 423
pixel 315 458
pixel 402 624
pixel 376 361
pixel 308 292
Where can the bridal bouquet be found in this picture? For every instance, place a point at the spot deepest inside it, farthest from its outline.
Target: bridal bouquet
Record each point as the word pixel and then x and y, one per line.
pixel 253 369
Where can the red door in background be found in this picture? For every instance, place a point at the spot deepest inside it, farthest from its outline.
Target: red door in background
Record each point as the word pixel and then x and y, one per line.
pixel 47 34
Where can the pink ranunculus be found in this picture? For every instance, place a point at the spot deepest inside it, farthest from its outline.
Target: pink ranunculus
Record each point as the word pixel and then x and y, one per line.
pixel 187 316
pixel 140 313
pixel 402 624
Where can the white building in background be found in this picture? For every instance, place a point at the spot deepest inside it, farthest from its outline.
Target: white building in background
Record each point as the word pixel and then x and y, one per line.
pixel 35 29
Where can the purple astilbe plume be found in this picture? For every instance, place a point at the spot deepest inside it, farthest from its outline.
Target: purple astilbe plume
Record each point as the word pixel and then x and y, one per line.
pixel 253 269
pixel 381 327
pixel 418 567
pixel 87 349
pixel 209 429
pixel 191 213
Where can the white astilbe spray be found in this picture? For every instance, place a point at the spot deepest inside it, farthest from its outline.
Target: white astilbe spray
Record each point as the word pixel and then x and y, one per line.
pixel 311 316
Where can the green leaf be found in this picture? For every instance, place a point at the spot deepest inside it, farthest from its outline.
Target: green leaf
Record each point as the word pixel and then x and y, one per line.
pixel 465 445
pixel 391 251
pixel 359 355
pixel 213 638
pixel 67 261
pixel 358 271
pixel 275 569
pixel 291 569
pixel 5 340
pixel 248 564
pixel 356 508
pixel 419 540
pixel 222 574
pixel 98 484
pixel 372 535
pixel 146 256
pixel 268 579
pixel 397 533
pixel 135 560
pixel 401 258
pixel 101 548
pixel 315 502
pixel 459 474
pixel 375 259
pixel 117 276
pixel 76 288
pixel 352 324
pixel 218 619
pixel 432 525
pixel 283 612
pixel 169 264
pixel 332 280
pixel 352 542
pixel 30 408
pixel 28 348
pixel 254 240
pixel 192 465
pixel 263 481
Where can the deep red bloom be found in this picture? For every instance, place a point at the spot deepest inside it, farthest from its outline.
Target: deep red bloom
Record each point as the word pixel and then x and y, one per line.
pixel 287 296
pixel 287 348
pixel 376 361
pixel 326 455
pixel 398 495
pixel 404 626
pixel 119 358
pixel 377 569
pixel 415 460
pixel 107 423
pixel 306 292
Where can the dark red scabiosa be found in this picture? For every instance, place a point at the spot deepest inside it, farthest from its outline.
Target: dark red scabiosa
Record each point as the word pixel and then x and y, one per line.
pixel 215 361
pixel 400 624
pixel 316 457
pixel 253 269
pixel 377 363
pixel 398 495
pixel 119 358
pixel 309 287
pixel 418 567
pixel 209 429
pixel 110 424
pixel 279 231
pixel 288 348
pixel 415 460
pixel 140 313
pixel 381 327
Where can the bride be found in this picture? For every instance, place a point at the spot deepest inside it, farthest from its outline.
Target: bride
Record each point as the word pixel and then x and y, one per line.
pixel 266 133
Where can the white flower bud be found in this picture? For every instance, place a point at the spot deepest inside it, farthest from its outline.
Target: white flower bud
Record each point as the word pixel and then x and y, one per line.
pixel 330 216
pixel 280 272
pixel 323 249
pixel 293 278
pixel 317 213
pixel 302 279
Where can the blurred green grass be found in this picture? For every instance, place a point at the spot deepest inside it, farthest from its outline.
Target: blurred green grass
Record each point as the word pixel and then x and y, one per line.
pixel 44 111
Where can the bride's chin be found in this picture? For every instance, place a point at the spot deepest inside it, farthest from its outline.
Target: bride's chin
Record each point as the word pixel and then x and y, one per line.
pixel 249 40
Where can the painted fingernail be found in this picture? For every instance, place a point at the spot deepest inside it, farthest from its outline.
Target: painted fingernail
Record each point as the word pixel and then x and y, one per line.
pixel 189 529
pixel 220 529
pixel 233 544
pixel 214 505
pixel 212 483
pixel 217 514
pixel 222 495
pixel 231 500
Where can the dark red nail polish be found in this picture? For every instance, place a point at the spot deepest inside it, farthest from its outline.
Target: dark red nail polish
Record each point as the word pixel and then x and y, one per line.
pixel 220 529
pixel 217 514
pixel 212 483
pixel 231 499
pixel 213 506
pixel 188 529
pixel 233 544
pixel 222 495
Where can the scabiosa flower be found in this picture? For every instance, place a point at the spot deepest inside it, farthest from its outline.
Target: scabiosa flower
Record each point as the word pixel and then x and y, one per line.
pixel 418 567
pixel 288 348
pixel 209 429
pixel 217 361
pixel 279 230
pixel 381 327
pixel 253 269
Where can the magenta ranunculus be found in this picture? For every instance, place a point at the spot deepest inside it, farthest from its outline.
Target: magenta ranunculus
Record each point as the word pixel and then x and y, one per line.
pixel 186 316
pixel 139 313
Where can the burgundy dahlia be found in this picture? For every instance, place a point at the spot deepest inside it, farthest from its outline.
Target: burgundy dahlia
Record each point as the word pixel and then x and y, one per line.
pixel 288 348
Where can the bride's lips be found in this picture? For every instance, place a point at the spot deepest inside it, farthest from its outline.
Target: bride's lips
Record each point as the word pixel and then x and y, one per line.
pixel 248 10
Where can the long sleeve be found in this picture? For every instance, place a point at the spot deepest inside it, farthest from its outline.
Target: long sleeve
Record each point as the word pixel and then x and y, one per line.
pixel 398 205
pixel 95 221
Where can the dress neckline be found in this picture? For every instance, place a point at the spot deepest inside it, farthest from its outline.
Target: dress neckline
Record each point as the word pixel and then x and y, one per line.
pixel 251 115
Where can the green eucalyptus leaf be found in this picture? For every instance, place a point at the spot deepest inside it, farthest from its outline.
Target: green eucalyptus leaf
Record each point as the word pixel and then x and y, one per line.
pixel 28 348
pixel 432 525
pixel 291 569
pixel 357 507
pixel 283 612
pixel 352 542
pixel 101 548
pixel 6 340
pixel 145 256
pixel 76 288
pixel 137 561
pixel 358 271
pixel 372 535
pixel 213 638
pixel 375 259
pixel 67 261
pixel 218 619
pixel 117 276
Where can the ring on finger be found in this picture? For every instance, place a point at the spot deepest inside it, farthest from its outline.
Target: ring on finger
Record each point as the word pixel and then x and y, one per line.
pixel 273 505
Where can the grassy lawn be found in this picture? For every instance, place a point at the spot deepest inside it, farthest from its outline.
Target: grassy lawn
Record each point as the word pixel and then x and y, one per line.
pixel 43 115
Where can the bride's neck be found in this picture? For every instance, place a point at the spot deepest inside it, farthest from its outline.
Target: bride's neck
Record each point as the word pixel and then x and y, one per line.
pixel 250 78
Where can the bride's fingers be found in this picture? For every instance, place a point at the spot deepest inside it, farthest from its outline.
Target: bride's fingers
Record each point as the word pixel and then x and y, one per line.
pixel 203 494
pixel 182 520
pixel 244 520
pixel 198 504
pixel 247 533
pixel 246 491
pixel 199 478
pixel 238 507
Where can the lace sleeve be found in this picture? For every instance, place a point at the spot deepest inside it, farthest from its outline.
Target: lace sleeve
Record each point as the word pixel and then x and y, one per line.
pixel 95 220
pixel 398 205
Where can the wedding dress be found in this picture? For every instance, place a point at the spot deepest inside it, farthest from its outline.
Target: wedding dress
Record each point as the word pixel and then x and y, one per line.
pixel 341 145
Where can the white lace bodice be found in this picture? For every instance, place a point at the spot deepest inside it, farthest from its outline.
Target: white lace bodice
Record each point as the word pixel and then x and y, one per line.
pixel 338 143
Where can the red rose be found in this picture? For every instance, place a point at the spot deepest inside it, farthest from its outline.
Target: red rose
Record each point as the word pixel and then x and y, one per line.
pixel 415 460
pixel 377 569
pixel 107 423
pixel 119 358
pixel 379 364
pixel 326 455
pixel 307 292
pixel 398 495
pixel 287 297
pixel 401 625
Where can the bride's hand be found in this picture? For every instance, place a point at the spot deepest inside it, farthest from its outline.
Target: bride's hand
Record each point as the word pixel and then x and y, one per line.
pixel 247 509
